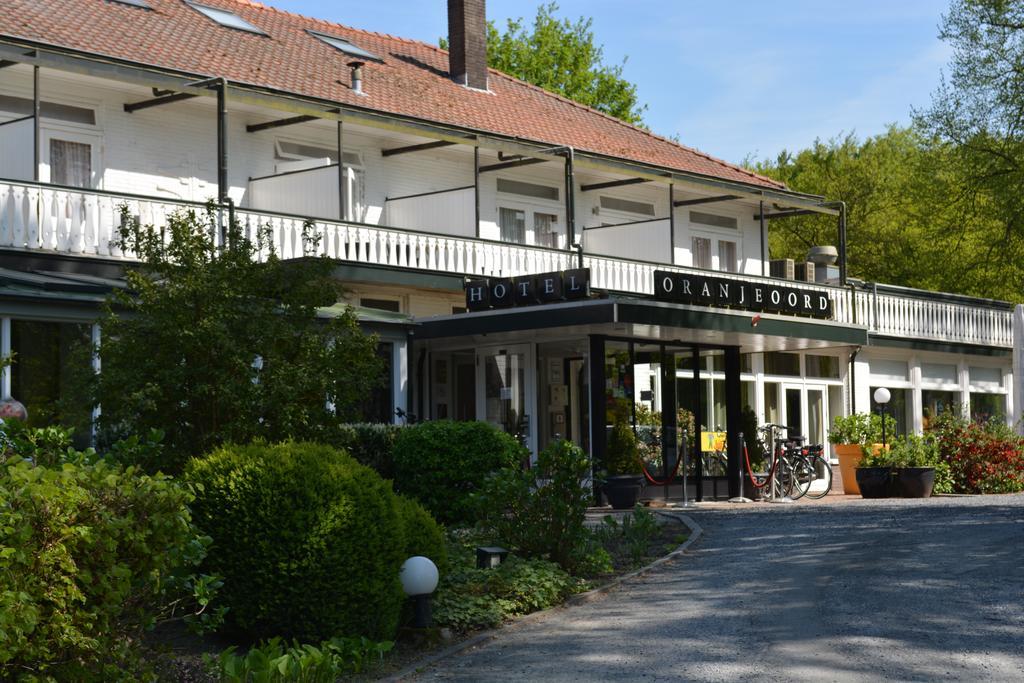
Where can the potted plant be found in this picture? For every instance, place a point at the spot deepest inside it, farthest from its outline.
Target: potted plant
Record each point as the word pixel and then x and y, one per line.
pixel 624 478
pixel 854 437
pixel 913 460
pixel 875 474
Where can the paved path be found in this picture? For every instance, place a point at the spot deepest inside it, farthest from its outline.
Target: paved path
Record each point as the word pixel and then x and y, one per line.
pixel 867 590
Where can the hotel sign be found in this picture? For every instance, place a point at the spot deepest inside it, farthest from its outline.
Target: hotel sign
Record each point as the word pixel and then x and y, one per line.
pixel 704 290
pixel 527 290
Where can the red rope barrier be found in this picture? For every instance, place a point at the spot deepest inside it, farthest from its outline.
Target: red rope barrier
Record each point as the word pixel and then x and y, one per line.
pixel 750 470
pixel 665 482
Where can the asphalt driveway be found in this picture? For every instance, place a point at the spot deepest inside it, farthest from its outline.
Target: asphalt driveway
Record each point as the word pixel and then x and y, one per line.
pixel 865 590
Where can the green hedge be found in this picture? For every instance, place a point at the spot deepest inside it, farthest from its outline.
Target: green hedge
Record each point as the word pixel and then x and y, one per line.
pixel 443 463
pixel 370 444
pixel 423 535
pixel 309 541
pixel 86 554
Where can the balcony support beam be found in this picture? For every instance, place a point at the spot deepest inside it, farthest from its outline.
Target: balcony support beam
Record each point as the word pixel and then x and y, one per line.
pixel 279 123
pixel 476 189
pixel 341 173
pixel 4 63
pixel 510 164
pixel 784 214
pixel 706 200
pixel 36 108
pixel 570 201
pixel 415 148
pixel 613 183
pixel 132 107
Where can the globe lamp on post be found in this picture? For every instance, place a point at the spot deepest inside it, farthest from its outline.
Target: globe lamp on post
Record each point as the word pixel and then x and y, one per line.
pixel 419 579
pixel 882 397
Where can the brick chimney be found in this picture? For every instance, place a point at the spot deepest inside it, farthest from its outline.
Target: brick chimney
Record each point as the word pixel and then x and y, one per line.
pixel 467 43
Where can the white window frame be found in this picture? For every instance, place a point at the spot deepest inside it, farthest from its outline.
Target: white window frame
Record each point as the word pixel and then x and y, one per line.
pixel 504 201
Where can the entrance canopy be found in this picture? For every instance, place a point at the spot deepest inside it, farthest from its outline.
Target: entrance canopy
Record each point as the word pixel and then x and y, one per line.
pixel 752 332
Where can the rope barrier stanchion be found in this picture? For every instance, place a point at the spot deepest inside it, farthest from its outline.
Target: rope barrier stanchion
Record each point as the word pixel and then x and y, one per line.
pixel 739 474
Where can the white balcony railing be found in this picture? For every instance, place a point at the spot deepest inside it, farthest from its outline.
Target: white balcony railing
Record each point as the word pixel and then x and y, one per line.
pixel 80 222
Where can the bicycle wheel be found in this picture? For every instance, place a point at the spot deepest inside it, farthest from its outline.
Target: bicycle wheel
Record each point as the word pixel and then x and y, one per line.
pixel 822 483
pixel 802 475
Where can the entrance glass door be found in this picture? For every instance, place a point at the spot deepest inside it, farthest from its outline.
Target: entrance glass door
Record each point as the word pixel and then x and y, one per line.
pixel 505 393
pixel 793 410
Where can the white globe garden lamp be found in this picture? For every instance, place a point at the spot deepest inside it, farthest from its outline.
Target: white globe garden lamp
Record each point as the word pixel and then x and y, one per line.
pixel 419 579
pixel 882 397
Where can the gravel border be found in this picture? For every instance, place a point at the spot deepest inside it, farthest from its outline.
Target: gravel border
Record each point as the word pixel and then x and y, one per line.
pixel 417 667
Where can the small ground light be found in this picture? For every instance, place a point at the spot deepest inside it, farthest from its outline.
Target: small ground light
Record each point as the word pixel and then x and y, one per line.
pixel 489 557
pixel 419 579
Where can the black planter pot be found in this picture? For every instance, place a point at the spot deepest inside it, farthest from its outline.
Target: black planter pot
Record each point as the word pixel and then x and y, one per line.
pixel 914 482
pixel 623 491
pixel 874 482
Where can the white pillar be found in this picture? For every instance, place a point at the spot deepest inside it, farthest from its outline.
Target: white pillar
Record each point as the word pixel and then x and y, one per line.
pixel 916 400
pixel 1016 407
pixel 5 352
pixel 399 377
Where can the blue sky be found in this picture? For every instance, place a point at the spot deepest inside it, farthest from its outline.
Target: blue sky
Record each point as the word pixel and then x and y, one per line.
pixel 731 78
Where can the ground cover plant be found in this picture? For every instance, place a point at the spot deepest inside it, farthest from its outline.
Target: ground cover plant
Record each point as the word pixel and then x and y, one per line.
pixel 277 662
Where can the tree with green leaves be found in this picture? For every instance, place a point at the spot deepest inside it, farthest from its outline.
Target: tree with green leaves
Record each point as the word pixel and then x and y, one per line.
pixel 978 113
pixel 214 345
pixel 562 57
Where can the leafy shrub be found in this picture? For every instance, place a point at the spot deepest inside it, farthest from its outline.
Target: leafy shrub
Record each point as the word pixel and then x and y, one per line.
pixel 860 428
pixel 423 535
pixel 470 598
pixel 623 455
pixel 90 555
pixel 371 444
pixel 442 463
pixel 909 451
pixel 539 513
pixel 309 541
pixel 275 662
pixel 982 459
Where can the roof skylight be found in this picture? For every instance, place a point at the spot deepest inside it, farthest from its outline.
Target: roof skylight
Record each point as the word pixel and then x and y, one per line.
pixel 225 18
pixel 345 46
pixel 133 3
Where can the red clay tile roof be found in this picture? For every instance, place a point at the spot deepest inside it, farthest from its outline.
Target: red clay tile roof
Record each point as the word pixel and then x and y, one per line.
pixel 411 81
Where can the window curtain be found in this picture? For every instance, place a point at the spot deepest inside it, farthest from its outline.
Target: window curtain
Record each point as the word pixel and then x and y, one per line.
pixel 70 163
pixel 513 225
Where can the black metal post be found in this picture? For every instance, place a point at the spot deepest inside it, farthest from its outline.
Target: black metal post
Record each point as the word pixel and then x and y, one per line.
pixel 671 224
pixel 669 426
pixel 698 418
pixel 35 123
pixel 476 188
pixel 222 142
pixel 598 416
pixel 764 241
pixel 842 244
pixel 733 412
pixel 421 611
pixel 341 173
pixel 570 199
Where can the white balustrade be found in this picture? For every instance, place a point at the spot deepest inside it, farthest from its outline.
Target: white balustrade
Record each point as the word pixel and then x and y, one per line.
pixel 80 222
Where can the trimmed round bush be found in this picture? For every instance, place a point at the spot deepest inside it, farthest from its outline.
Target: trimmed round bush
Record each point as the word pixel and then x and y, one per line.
pixel 423 535
pixel 443 463
pixel 309 541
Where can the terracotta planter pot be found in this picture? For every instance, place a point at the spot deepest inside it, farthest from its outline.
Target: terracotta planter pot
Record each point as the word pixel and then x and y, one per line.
pixel 849 457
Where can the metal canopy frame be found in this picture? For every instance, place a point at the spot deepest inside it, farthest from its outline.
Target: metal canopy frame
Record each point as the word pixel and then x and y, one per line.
pixel 423 146
pixel 290 121
pixel 706 200
pixel 509 164
pixel 132 107
pixel 613 183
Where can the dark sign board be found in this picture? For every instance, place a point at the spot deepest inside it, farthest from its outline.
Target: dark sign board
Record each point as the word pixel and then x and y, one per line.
pixel 705 290
pixel 527 290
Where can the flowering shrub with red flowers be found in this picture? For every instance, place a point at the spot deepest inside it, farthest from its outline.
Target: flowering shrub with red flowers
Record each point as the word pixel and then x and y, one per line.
pixel 982 458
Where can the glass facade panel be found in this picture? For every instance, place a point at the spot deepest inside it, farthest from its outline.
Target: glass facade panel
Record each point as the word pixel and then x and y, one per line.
pixel 899 400
pixel 935 403
pixel 939 373
pixel 512 223
pixel 985 407
pixel 51 362
pixel 824 367
pixel 779 363
pixel 889 369
pixel 987 376
pixel 702 253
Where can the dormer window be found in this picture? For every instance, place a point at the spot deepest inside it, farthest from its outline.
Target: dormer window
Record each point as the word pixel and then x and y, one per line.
pixel 225 18
pixel 344 46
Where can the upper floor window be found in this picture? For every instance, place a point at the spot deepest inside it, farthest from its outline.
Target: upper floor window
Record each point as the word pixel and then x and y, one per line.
pixel 344 46
pixel 727 256
pixel 627 206
pixel 70 163
pixel 22 106
pixel 702 252
pixel 512 223
pixel 528 189
pixel 713 220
